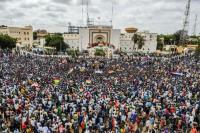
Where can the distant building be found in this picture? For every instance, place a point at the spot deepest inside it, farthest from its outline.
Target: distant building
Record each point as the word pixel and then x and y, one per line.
pixel 24 35
pixel 41 33
pixel 94 37
pixel 150 43
pixel 99 36
pixel 40 38
pixel 72 39
pixel 128 46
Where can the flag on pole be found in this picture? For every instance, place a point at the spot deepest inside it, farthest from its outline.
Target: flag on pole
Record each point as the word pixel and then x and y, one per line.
pixel 70 71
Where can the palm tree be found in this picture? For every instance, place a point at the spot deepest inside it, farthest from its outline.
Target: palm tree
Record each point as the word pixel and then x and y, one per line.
pixel 135 40
pixel 138 39
pixel 141 42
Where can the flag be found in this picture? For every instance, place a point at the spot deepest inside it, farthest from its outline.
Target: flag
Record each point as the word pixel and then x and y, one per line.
pixel 99 72
pixel 35 84
pixel 83 124
pixel 111 71
pixel 82 69
pixel 177 73
pixel 70 71
pixel 88 81
pixel 56 82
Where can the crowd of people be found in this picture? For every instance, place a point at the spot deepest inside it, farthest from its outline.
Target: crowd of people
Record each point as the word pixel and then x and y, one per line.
pixel 125 95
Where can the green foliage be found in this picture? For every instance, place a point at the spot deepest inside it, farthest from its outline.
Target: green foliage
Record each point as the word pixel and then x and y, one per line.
pixel 73 52
pixel 138 39
pixel 34 35
pixel 197 52
pixel 99 52
pixel 56 41
pixel 7 41
pixel 176 37
pixel 160 42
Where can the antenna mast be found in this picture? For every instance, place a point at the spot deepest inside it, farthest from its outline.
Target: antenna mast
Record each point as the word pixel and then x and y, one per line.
pixel 195 25
pixel 184 31
pixel 112 14
pixel 82 13
pixel 88 19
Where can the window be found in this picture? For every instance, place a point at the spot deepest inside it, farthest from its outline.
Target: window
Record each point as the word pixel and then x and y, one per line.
pixel 27 33
pixel 24 38
pixel 24 33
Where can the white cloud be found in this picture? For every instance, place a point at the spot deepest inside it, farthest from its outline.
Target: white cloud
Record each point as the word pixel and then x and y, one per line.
pixel 161 16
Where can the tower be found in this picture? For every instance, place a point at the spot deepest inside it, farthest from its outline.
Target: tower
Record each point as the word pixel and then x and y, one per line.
pixel 184 31
pixel 112 14
pixel 82 12
pixel 195 26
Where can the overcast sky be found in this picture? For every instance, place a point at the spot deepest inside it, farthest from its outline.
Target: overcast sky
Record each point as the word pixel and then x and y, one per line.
pixel 160 16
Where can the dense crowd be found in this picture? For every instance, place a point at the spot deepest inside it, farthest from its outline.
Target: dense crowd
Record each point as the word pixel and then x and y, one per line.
pixel 125 95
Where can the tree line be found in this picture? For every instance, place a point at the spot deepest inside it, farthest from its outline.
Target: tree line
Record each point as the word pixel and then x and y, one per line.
pixel 7 42
pixel 174 39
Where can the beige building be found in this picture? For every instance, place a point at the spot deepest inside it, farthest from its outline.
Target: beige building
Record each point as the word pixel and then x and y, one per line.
pixel 24 35
pixel 41 33
pixel 72 40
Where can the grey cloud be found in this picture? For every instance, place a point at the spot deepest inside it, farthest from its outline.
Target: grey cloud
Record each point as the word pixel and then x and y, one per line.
pixel 2 7
pixel 14 14
pixel 94 10
pixel 2 1
pixel 67 2
pixel 163 16
pixel 28 5
pixel 52 15
pixel 56 9
pixel 84 2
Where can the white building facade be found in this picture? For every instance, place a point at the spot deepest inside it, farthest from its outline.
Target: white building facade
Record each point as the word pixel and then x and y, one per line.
pixel 128 46
pixel 72 40
pixel 92 37
pixel 97 36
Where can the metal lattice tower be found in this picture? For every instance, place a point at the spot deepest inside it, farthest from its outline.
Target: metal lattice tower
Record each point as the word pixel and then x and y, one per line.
pixel 184 31
pixel 195 25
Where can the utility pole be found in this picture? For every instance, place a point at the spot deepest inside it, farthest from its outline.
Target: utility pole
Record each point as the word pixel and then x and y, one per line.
pixel 82 13
pixel 112 13
pixel 88 19
pixel 195 25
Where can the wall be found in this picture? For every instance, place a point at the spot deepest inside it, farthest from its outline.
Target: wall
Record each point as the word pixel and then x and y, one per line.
pixel 72 40
pixel 84 38
pixel 127 45
pixel 115 38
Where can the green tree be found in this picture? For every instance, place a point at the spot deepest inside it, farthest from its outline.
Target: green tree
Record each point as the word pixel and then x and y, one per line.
pixel 7 41
pixel 73 52
pixel 160 42
pixel 197 52
pixel 99 52
pixel 139 40
pixel 56 41
pixel 34 35
pixel 177 36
